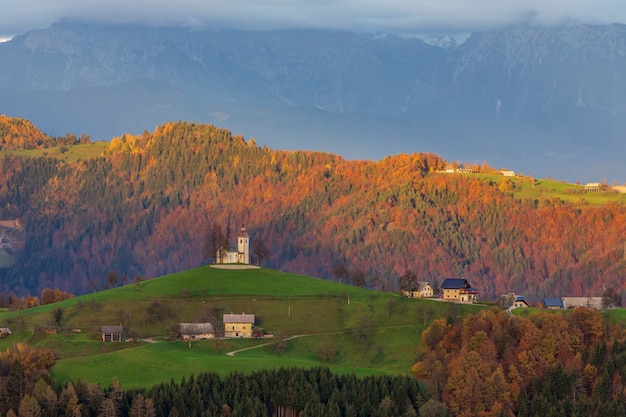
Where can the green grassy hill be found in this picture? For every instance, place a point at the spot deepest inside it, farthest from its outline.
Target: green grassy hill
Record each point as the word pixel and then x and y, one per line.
pixel 529 188
pixel 325 315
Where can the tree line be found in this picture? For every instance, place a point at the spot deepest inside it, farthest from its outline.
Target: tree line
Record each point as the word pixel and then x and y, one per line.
pixel 26 389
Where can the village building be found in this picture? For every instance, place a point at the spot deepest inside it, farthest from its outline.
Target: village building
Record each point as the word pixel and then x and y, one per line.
pixel 458 289
pixel 589 302
pixel 520 302
pixel 507 173
pixel 238 325
pixel 592 186
pixel 112 333
pixel 241 255
pixel 421 290
pixel 552 303
pixel 619 188
pixel 4 332
pixel 196 331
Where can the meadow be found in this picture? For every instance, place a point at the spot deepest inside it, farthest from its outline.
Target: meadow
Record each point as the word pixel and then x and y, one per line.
pixel 362 331
pixel 542 189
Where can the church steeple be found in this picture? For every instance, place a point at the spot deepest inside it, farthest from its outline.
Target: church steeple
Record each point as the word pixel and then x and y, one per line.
pixel 243 246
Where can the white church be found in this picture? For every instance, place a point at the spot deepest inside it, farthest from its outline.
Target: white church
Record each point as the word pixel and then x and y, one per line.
pixel 241 256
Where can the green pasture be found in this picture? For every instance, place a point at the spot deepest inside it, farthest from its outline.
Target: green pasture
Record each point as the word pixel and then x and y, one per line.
pixel 368 332
pixel 66 153
pixel 542 189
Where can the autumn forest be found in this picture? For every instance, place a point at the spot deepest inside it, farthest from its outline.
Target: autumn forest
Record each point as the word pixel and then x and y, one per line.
pixel 145 206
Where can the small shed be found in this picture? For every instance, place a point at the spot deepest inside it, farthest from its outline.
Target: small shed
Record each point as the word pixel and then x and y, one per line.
pixel 4 331
pixel 196 331
pixel 112 333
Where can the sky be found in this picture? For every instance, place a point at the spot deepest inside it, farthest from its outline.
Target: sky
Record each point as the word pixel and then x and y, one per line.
pixel 403 17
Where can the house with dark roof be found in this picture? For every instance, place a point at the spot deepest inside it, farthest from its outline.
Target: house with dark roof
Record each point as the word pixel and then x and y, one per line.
pixel 112 333
pixel 520 301
pixel 458 289
pixel 553 303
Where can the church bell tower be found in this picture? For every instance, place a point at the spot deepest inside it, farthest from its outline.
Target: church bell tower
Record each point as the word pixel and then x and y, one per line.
pixel 243 246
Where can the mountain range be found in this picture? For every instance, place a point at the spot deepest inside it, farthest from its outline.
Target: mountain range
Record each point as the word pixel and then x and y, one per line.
pixel 546 100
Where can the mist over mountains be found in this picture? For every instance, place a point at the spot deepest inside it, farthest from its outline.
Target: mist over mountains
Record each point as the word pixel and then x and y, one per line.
pixel 545 101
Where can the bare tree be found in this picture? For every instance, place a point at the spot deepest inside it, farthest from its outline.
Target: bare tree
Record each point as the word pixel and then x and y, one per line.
pixel 215 242
pixel 57 316
pixel 408 281
pixel 279 346
pixel 611 298
pixel 260 251
pixel 358 278
pixel 341 273
pixel 112 278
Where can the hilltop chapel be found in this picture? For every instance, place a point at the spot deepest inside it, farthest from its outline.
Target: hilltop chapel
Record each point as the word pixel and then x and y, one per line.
pixel 241 256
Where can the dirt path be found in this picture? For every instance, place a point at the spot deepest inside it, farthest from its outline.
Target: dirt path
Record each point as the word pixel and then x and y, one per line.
pixel 234 352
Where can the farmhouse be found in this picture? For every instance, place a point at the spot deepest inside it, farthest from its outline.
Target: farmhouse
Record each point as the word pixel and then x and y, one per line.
pixel 196 331
pixel 241 255
pixel 238 325
pixel 4 332
pixel 458 289
pixel 592 186
pixel 421 290
pixel 112 333
pixel 520 301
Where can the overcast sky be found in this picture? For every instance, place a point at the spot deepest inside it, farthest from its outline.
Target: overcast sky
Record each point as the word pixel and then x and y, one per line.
pixel 419 17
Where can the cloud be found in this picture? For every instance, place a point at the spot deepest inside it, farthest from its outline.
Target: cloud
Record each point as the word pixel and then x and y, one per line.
pixel 389 16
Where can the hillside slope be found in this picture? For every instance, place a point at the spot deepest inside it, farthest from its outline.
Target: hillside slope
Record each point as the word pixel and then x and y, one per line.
pixel 144 207
pixel 367 332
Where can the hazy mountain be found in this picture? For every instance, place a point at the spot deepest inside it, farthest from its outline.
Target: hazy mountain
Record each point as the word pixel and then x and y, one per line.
pixel 546 101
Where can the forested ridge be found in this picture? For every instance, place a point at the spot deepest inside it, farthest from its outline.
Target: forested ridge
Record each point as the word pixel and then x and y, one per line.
pixel 144 206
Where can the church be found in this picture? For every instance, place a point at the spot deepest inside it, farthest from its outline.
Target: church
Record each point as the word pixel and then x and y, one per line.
pixel 241 256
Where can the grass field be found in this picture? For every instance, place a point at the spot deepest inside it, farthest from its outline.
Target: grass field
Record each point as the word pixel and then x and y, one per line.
pixel 322 313
pixel 71 153
pixel 545 189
